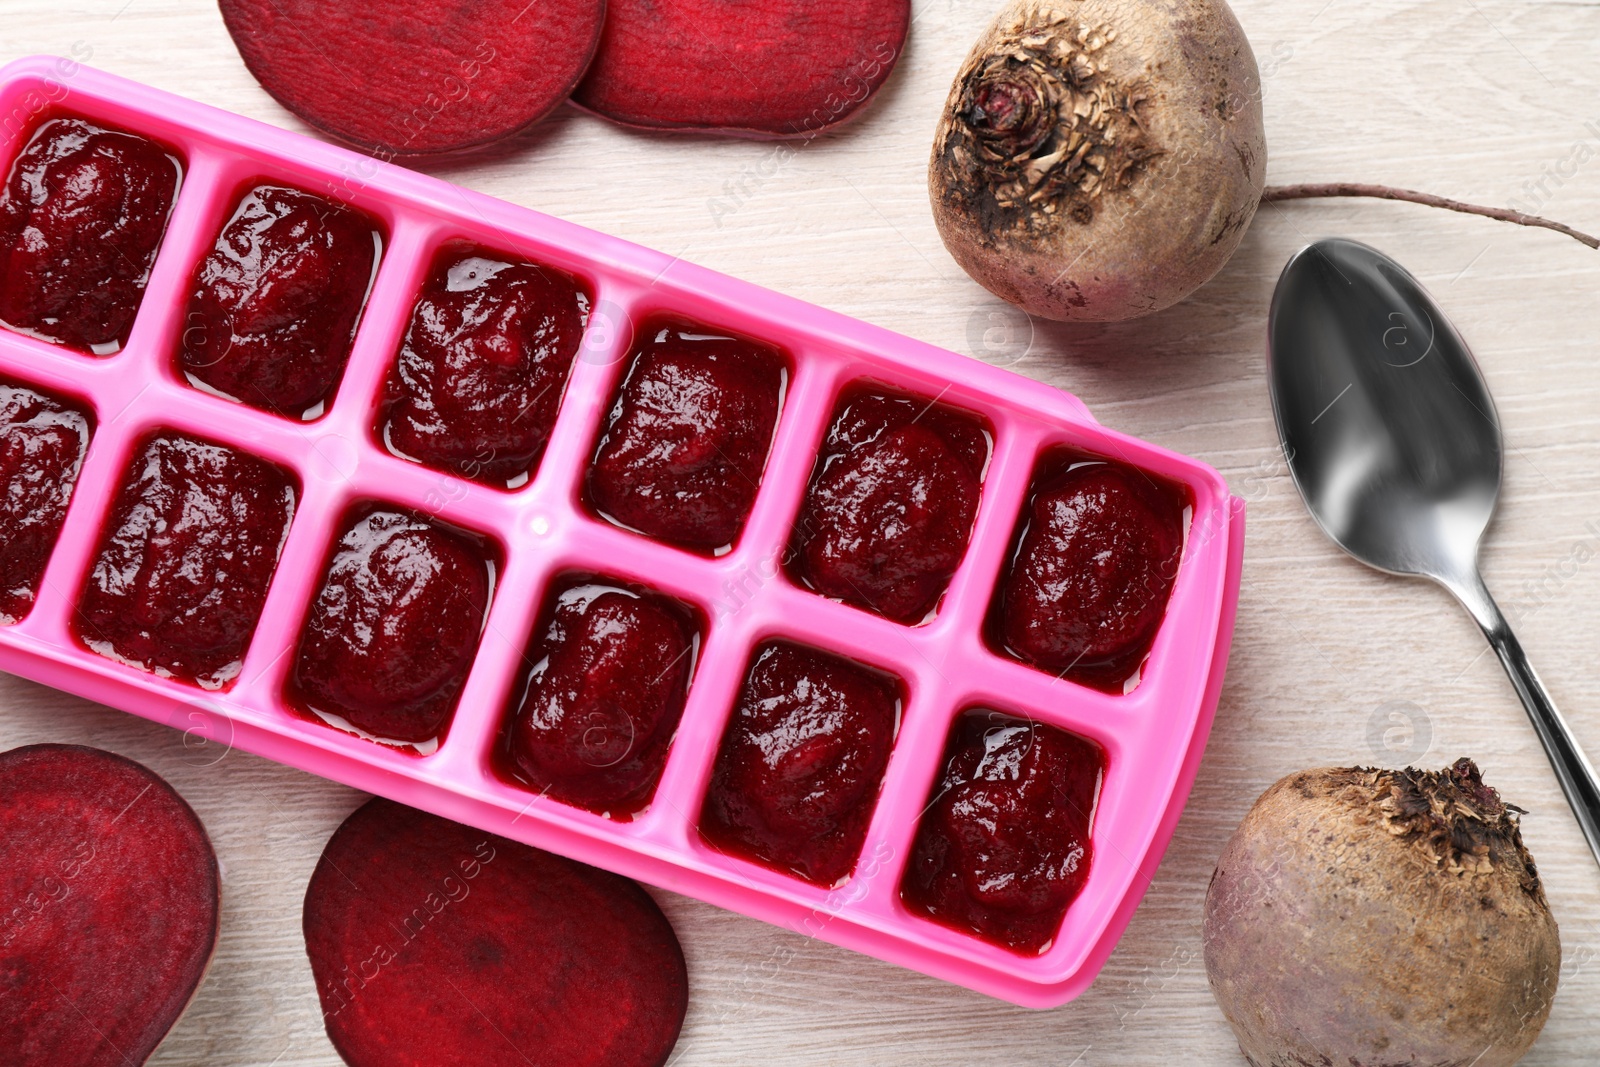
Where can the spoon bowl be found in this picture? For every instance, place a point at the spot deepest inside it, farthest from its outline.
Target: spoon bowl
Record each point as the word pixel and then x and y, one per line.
pixel 1393 441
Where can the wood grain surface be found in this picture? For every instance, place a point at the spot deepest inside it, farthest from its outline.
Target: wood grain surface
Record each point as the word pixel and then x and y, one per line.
pixel 1480 100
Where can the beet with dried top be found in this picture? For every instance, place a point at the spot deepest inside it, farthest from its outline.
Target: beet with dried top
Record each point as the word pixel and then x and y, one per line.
pixel 771 68
pixel 1100 159
pixel 403 79
pixel 111 901
pixel 434 943
pixel 1367 918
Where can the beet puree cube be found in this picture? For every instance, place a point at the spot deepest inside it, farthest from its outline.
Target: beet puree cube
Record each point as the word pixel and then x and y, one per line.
pixel 1093 569
pixel 273 308
pixel 611 668
pixel 801 763
pixel 479 379
pixel 395 626
pixel 42 442
pixel 1003 847
pixel 185 559
pixel 687 439
pixel 81 216
pixel 891 503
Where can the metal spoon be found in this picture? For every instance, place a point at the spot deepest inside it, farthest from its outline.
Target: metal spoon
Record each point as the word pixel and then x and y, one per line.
pixel 1394 443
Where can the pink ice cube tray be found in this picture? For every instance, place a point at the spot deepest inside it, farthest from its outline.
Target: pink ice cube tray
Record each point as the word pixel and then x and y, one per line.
pixel 1153 734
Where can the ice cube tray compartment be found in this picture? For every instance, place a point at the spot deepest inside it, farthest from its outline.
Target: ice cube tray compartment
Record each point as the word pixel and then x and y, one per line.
pixel 1153 736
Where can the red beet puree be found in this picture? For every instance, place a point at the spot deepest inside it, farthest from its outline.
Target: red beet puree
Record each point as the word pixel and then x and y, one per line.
pixel 611 668
pixel 1003 847
pixel 81 216
pixel 394 628
pixel 1090 581
pixel 273 308
pixel 891 504
pixel 479 379
pixel 682 457
pixel 42 442
pixel 185 559
pixel 801 762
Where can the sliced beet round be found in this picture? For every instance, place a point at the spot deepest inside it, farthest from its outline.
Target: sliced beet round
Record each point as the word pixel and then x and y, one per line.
pixel 432 943
pixel 110 895
pixel 406 79
pixel 761 68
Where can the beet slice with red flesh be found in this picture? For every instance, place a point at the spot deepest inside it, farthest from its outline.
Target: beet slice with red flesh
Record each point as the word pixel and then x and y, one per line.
pixel 769 68
pixel 404 79
pixel 111 898
pixel 434 943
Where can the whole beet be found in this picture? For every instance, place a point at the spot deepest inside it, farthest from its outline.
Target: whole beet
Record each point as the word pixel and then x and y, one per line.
pixel 1367 918
pixel 1100 159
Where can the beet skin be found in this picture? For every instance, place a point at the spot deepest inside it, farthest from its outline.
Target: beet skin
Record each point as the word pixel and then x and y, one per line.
pixel 434 943
pixel 1100 159
pixel 1372 918
pixel 110 916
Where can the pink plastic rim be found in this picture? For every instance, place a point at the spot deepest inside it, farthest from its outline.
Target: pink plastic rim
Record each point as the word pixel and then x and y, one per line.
pixel 1153 736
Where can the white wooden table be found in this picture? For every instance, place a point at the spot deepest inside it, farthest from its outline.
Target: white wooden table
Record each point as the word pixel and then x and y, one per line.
pixel 1332 663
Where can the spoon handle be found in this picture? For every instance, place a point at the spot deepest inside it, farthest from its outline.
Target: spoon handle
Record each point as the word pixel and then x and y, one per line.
pixel 1577 775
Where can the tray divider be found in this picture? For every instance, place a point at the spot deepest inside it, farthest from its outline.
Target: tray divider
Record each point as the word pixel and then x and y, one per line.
pixel 269 660
pixel 191 230
pixel 1005 493
pixel 718 678
pixel 602 358
pixel 481 709
pixel 914 765
pixel 99 479
pixel 808 401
